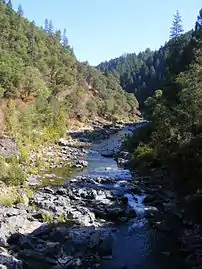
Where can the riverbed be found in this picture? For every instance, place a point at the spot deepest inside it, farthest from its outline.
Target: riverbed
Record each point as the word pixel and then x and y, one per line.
pixel 136 244
pixel 100 216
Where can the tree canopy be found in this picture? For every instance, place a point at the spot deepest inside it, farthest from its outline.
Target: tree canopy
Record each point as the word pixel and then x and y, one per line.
pixel 37 62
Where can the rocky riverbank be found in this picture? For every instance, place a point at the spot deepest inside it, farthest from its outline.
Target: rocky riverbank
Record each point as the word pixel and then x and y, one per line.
pixel 70 152
pixel 176 218
pixel 64 226
pixel 76 225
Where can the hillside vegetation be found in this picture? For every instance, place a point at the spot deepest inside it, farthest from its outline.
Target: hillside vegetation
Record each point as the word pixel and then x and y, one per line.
pixel 44 88
pixel 38 66
pixel 147 71
pixel 174 135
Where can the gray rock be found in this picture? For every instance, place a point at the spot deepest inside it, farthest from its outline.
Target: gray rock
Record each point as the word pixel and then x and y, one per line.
pixel 82 163
pixel 8 261
pixel 8 147
pixel 63 142
pixel 82 215
pixel 122 162
pixel 15 224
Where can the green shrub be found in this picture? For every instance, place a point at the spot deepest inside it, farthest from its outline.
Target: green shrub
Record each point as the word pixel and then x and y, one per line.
pixel 4 167
pixel 143 158
pixel 16 176
pixel 143 152
pixel 48 218
pixel 141 135
pixel 24 153
pixel 11 173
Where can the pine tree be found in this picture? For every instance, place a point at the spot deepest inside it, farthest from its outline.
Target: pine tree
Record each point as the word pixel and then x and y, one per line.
pixel 199 21
pixel 50 28
pixel 176 28
pixel 20 11
pixel 10 4
pixel 65 39
pixel 58 35
pixel 46 25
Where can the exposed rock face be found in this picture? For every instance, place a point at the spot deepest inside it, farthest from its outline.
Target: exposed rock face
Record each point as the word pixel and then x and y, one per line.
pixel 15 220
pixel 8 147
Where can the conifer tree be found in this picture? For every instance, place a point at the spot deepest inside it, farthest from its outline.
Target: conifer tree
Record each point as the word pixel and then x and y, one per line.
pixel 46 25
pixel 50 28
pixel 10 4
pixel 176 28
pixel 58 35
pixel 199 21
pixel 20 11
pixel 65 39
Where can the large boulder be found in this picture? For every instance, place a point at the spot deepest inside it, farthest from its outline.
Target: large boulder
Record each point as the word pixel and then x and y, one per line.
pixel 13 221
pixel 81 215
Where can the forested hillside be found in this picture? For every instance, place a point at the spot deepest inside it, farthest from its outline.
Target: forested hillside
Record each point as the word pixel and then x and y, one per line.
pixel 38 67
pixel 147 71
pixel 175 112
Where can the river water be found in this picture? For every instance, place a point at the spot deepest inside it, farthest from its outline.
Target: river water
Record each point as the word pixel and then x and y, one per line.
pixel 135 244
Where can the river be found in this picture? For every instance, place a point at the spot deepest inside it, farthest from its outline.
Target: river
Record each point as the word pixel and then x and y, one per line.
pixel 135 244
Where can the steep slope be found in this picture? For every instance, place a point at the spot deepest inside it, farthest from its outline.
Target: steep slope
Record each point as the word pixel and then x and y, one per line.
pixel 174 136
pixel 146 72
pixel 38 63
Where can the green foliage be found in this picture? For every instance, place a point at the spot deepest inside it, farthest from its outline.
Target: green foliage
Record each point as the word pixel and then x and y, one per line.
pixel 144 157
pixel 175 113
pixel 148 71
pixel 61 218
pixel 11 119
pixel 39 64
pixel 141 135
pixel 143 151
pixel 24 153
pixel 28 191
pixel 11 173
pixel 33 84
pixel 92 108
pixel 48 218
pixel 109 100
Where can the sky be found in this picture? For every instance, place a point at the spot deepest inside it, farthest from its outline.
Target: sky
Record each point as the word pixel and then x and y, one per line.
pixel 99 30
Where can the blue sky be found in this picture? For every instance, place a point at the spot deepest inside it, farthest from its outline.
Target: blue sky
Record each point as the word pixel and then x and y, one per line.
pixel 100 30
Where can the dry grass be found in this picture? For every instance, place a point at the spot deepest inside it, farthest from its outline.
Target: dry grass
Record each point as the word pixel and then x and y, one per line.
pixel 8 195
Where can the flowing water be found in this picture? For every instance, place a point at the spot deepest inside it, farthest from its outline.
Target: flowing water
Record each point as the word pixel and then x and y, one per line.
pixel 135 245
